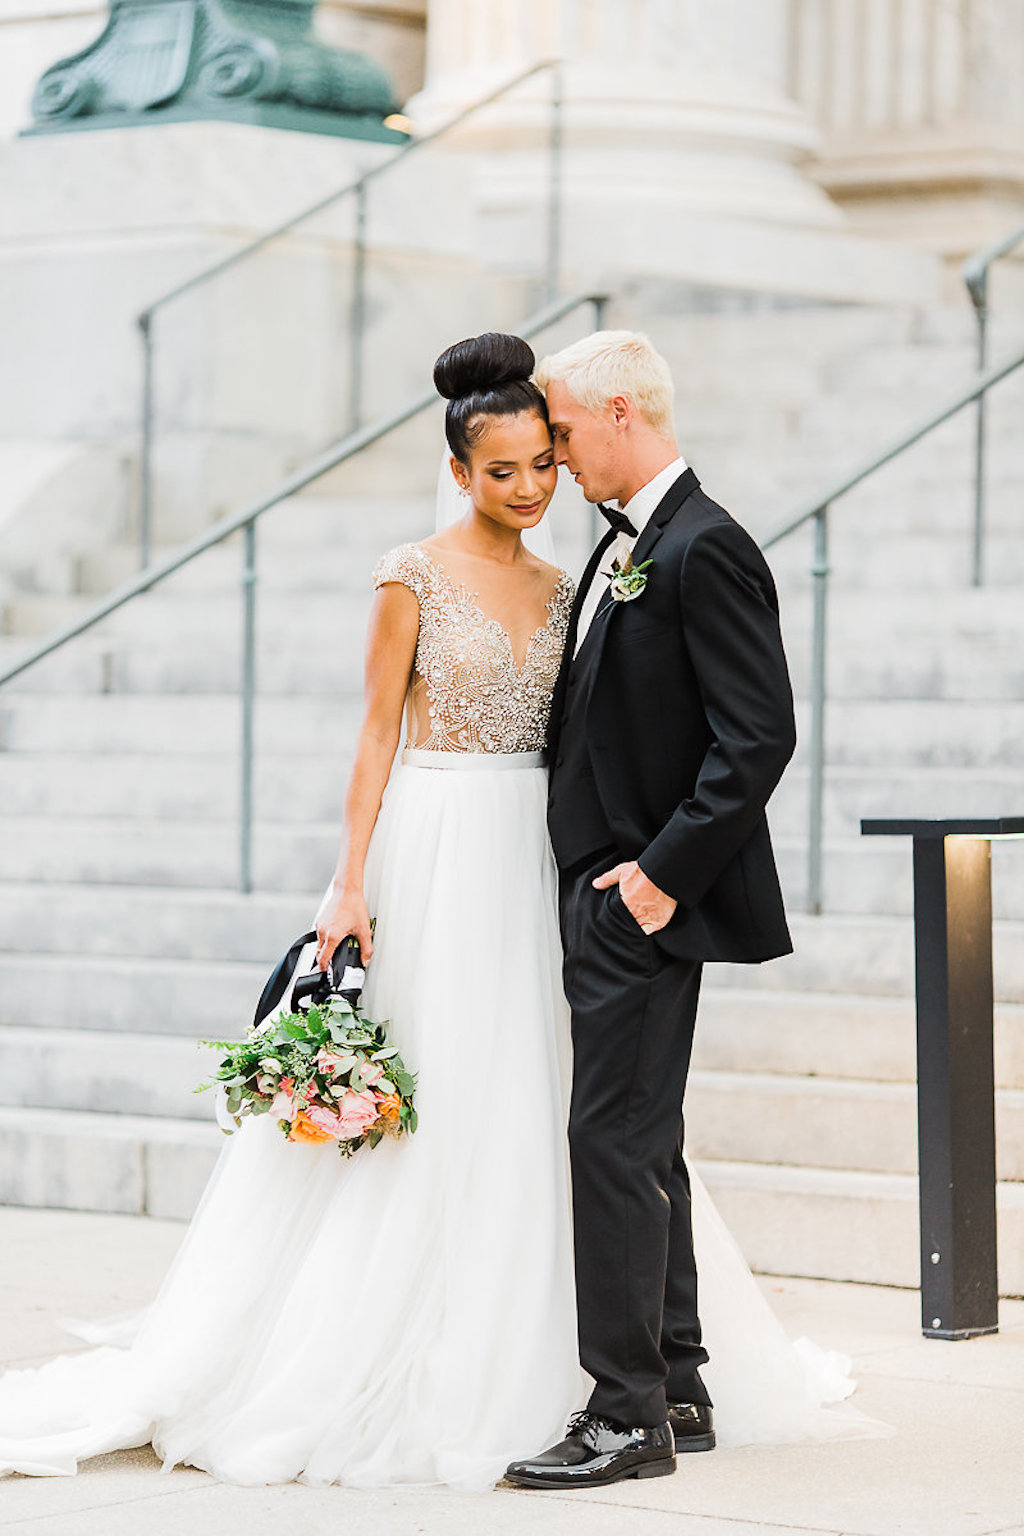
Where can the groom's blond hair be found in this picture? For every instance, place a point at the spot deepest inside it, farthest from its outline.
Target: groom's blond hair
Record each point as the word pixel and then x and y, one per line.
pixel 611 363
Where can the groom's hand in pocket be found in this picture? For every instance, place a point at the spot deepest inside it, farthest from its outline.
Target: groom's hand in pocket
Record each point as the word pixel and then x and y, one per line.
pixel 650 906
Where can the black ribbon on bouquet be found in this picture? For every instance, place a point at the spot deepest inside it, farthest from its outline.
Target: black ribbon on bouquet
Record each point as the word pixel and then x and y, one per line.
pixel 318 985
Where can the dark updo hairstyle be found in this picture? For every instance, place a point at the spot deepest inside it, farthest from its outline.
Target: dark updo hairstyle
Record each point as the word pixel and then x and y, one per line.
pixel 485 376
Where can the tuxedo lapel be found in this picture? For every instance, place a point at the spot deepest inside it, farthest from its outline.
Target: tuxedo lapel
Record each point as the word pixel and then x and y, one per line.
pixel 593 643
pixel 666 509
pixel 583 589
pixel 562 681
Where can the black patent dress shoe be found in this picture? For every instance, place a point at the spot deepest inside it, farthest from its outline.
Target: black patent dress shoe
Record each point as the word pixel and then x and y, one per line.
pixel 595 1452
pixel 693 1426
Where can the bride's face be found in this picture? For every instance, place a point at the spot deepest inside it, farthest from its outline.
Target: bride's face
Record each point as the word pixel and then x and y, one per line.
pixel 511 475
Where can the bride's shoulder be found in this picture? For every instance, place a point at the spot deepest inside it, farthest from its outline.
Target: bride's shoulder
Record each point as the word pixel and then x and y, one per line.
pixel 563 588
pixel 408 564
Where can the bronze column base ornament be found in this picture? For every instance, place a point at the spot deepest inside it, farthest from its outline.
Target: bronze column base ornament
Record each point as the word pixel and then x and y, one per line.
pixel 243 61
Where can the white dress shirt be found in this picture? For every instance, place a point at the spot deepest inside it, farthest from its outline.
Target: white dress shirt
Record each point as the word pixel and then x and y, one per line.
pixel 639 510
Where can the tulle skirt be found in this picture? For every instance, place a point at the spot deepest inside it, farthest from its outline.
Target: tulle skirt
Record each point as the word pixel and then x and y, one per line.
pixel 408 1316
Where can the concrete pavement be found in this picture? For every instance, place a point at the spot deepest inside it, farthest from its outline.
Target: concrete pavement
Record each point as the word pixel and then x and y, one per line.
pixel 954 1465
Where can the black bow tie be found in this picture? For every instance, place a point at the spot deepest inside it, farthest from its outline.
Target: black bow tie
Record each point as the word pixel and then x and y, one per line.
pixel 619 521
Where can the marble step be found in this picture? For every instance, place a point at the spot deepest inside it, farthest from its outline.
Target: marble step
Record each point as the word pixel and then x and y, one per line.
pixel 870 733
pixel 870 955
pixel 287 858
pixel 310 787
pixel 307 541
pixel 875 874
pixel 827 1035
pixel 855 793
pixel 934 564
pixel 141 995
pixel 925 733
pixel 753 1117
pixel 863 559
pixel 172 789
pixel 822 1122
pixel 979 667
pixel 74 1160
pixel 149 922
pixel 824 1223
pixel 106 1072
pixel 42 924
pixel 836 1224
pixel 175 725
pixel 861 876
pixel 199 663
pixel 916 615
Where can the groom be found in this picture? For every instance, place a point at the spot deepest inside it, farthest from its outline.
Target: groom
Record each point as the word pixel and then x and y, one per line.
pixel 671 724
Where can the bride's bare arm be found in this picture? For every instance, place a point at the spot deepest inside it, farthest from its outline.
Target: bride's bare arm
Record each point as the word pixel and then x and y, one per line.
pixel 390 652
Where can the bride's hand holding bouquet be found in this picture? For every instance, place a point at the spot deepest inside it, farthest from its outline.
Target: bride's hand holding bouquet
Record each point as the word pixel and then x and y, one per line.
pixel 342 913
pixel 323 1071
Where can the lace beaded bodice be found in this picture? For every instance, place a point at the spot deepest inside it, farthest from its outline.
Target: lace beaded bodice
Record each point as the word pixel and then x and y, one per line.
pixel 467 694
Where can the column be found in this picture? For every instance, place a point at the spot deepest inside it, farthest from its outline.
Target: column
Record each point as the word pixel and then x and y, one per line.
pixel 675 110
pixel 921 112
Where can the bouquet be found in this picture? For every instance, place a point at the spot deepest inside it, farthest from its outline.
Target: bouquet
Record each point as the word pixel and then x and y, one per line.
pixel 325 1074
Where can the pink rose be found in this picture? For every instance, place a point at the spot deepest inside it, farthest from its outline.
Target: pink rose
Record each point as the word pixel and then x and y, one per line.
pixel 325 1120
pixel 371 1073
pixel 327 1060
pixel 356 1113
pixel 283 1107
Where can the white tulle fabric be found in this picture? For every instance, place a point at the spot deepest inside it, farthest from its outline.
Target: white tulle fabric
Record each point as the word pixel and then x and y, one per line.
pixel 409 1316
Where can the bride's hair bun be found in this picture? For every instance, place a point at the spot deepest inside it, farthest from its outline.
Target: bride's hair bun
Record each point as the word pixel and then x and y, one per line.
pixel 481 364
pixel 485 376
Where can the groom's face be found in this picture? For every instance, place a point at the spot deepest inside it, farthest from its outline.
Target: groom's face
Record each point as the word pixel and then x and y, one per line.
pixel 587 443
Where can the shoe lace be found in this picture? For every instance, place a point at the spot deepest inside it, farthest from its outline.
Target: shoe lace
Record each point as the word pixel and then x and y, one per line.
pixel 581 1422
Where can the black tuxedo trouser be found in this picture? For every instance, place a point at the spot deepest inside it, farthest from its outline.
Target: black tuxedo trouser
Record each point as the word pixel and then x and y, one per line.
pixel 633 1013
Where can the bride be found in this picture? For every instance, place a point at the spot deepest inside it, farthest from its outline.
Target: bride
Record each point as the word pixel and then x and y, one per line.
pixel 408 1316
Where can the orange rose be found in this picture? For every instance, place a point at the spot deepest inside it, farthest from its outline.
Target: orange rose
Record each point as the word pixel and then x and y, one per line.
pixel 390 1107
pixel 303 1129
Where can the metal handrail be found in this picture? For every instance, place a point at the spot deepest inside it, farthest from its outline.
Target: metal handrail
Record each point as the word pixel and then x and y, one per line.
pixel 246 520
pixel 975 273
pixel 358 188
pixel 816 511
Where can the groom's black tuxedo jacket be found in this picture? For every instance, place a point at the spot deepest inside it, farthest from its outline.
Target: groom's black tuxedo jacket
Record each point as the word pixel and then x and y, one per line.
pixel 672 728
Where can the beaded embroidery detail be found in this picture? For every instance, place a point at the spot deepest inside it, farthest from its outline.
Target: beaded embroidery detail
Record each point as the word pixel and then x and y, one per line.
pixel 477 699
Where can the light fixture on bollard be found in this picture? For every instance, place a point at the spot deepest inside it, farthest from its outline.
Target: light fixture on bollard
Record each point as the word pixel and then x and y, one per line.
pixel 955 1068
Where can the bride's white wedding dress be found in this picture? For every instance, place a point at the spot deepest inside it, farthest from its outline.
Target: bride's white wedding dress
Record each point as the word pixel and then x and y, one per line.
pixel 408 1316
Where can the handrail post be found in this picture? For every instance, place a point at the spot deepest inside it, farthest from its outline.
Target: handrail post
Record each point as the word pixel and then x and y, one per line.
pixel 146 444
pixel 248 705
pixel 357 321
pixel 599 305
pixel 979 294
pixel 555 192
pixel 815 836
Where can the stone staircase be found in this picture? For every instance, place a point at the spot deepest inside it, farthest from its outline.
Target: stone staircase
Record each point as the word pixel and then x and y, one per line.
pixel 123 939
pixel 802 1106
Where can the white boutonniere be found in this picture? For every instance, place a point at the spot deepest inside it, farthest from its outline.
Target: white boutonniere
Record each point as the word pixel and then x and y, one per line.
pixel 629 581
